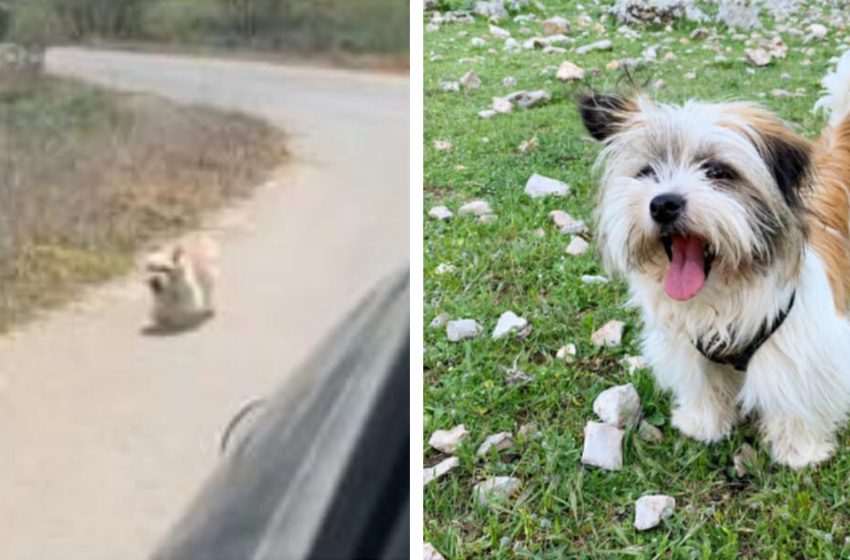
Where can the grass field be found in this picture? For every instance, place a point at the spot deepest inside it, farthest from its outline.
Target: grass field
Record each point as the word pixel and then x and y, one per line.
pixel 565 510
pixel 87 177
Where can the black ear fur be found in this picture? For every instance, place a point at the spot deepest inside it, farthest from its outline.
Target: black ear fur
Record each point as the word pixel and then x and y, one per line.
pixel 789 161
pixel 602 114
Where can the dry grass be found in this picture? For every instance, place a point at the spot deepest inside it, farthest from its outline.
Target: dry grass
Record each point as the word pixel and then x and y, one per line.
pixel 88 176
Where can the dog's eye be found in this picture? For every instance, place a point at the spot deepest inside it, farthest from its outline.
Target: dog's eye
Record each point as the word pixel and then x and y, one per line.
pixel 646 173
pixel 718 171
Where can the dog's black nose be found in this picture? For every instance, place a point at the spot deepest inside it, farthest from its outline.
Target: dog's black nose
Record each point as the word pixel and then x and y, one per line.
pixel 665 208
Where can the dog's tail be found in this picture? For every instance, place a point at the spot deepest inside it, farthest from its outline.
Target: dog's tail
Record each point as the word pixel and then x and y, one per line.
pixel 836 99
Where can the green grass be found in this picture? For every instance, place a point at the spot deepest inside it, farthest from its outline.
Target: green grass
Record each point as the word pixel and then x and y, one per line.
pixel 565 510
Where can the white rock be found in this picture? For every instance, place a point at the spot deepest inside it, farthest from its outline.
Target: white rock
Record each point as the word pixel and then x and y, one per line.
pixel 634 363
pixel 440 321
pixel 448 440
pixel 499 442
pixel 569 71
pixel 699 34
pixel 604 45
pixel 449 86
pixel 509 321
pixel 670 57
pixel 430 553
pixel 502 105
pixel 461 329
pixel 494 10
pixel 650 53
pixel 509 81
pixel 540 186
pixel 816 32
pixel 444 268
pixel 495 489
pixel 476 207
pixel 511 45
pixel 603 446
pixel 566 353
pixel 554 50
pixel 470 80
pixel 442 145
pixel 609 334
pixel 487 114
pixel 618 406
pixel 440 469
pixel 556 25
pixel 650 510
pixel 745 455
pixel 593 279
pixel 759 57
pixel 497 31
pixel 440 213
pixel 577 246
pixel 566 223
pixel 529 99
pixel 486 218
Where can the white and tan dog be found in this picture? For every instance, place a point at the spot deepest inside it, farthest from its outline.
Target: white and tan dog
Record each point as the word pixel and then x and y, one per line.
pixel 182 279
pixel 734 235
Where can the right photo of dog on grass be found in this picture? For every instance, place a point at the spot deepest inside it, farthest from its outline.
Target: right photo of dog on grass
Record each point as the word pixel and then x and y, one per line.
pixel 637 279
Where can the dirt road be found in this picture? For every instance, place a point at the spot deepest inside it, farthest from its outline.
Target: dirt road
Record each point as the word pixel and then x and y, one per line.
pixel 105 434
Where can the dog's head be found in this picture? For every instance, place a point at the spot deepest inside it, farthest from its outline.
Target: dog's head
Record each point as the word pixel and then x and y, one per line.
pixel 698 193
pixel 165 271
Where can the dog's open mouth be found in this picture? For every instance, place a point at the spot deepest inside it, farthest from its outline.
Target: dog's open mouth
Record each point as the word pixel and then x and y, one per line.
pixel 690 262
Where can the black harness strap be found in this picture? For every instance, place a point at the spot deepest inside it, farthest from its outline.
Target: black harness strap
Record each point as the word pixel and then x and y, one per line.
pixel 741 359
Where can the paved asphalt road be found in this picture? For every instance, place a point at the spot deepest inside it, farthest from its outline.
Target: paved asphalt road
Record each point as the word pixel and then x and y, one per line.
pixel 105 433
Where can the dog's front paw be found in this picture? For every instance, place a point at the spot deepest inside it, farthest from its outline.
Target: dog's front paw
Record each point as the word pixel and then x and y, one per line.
pixel 702 424
pixel 798 455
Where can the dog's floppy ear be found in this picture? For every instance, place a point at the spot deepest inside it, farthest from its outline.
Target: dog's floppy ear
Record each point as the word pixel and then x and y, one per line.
pixel 788 156
pixel 603 114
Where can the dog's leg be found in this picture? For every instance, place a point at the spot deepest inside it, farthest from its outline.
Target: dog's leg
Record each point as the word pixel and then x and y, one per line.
pixel 705 394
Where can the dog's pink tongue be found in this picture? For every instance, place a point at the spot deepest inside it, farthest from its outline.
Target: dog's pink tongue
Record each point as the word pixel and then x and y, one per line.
pixel 686 274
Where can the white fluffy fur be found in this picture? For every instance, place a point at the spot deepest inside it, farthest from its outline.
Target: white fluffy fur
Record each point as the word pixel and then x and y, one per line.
pixel 185 277
pixel 798 383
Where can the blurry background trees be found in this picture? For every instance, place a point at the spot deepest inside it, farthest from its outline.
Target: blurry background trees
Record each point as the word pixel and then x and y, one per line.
pixel 358 26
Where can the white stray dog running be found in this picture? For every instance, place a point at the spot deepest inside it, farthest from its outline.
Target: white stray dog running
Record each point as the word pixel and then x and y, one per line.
pixel 734 235
pixel 181 279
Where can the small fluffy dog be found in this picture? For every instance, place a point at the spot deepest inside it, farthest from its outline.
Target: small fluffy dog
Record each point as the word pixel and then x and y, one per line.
pixel 734 235
pixel 181 280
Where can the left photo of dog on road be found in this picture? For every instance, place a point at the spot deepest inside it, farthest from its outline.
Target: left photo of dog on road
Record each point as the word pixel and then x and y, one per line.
pixel 204 285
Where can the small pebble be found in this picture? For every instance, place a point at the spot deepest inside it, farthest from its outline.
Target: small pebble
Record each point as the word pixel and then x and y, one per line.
pixel 440 469
pixel 650 510
pixel 447 441
pixel 440 213
pixel 462 329
pixel 609 334
pixel 499 442
pixel 618 406
pixel 603 446
pixel 577 246
pixel 476 207
pixel 495 489
pixel 508 322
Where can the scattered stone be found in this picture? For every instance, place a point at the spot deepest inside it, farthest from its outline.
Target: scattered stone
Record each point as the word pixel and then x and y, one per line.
pixel 509 81
pixel 699 34
pixel 509 321
pixel 566 223
pixel 440 321
pixel 604 45
pixel 440 469
pixel 656 11
pixel 634 363
pixel 556 25
pixel 476 207
pixel 566 353
pixel 430 553
pixel 613 65
pixel 610 334
pixel 618 406
pixel 470 80
pixel 461 329
pixel 440 213
pixel 817 32
pixel 487 114
pixel 759 57
pixel 447 441
pixel 554 50
pixel 670 57
pixel 495 489
pixel 528 145
pixel 497 31
pixel 650 53
pixel 477 42
pixel 650 510
pixel 494 10
pixel 442 145
pixel 502 105
pixel 487 219
pixel 499 442
pixel 529 99
pixel 739 14
pixel 603 446
pixel 449 86
pixel 515 376
pixel 539 186
pixel 593 279
pixel 526 430
pixel 511 44
pixel 577 246
pixel 744 457
pixel 690 75
pixel 568 72
pixel 649 433
pixel 444 268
